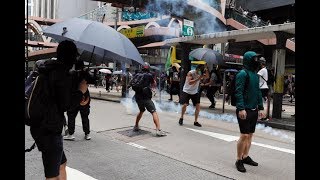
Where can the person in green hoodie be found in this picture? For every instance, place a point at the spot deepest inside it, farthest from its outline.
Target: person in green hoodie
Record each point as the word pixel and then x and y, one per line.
pixel 249 107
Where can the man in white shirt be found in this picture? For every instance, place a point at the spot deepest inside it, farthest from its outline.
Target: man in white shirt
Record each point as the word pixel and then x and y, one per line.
pixel 263 78
pixel 190 91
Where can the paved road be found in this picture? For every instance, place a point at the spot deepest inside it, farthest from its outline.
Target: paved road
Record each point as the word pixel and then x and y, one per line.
pixel 188 152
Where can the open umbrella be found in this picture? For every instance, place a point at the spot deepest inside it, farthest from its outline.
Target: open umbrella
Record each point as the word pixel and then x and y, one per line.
pixel 95 37
pixel 117 72
pixel 211 56
pixel 106 71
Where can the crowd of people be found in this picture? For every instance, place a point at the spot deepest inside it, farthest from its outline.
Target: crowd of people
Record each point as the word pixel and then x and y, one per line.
pixel 71 95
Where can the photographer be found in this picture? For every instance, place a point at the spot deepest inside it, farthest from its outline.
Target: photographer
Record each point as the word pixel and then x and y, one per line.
pixel 80 100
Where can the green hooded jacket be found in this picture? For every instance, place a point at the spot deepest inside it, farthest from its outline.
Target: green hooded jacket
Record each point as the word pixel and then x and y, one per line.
pixel 249 98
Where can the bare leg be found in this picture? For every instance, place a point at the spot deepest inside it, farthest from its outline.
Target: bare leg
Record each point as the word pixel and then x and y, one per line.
pixel 63 172
pixel 138 118
pixel 248 145
pixel 183 109
pixel 196 113
pixel 156 120
pixel 241 145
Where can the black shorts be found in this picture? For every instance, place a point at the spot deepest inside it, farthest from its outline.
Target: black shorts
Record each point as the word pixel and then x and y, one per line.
pixel 185 97
pixel 248 125
pixel 53 155
pixel 144 104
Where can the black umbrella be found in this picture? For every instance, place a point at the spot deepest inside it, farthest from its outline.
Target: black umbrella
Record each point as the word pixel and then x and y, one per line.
pixel 211 56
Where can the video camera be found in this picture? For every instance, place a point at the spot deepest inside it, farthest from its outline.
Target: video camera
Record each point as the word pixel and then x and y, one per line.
pixel 82 72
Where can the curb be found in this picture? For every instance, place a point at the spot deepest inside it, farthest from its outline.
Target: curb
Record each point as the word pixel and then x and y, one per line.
pixel 105 99
pixel 279 125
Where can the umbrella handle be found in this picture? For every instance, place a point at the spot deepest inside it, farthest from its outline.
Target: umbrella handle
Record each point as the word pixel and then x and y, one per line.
pixel 91 56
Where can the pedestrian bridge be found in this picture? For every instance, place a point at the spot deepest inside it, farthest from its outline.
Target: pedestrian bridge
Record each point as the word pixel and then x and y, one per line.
pixel 250 34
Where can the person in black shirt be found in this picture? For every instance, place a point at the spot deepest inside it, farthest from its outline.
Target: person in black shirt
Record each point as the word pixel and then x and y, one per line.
pixel 47 135
pixel 174 82
pixel 80 102
pixel 143 99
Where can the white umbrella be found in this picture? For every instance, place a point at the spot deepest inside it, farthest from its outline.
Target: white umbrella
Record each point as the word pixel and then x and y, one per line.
pixel 117 72
pixel 106 71
pixel 95 37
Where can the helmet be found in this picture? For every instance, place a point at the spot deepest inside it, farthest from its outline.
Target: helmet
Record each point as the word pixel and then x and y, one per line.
pixel 146 66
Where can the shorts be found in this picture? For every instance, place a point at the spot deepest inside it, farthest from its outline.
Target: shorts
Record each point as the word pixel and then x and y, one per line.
pixel 53 155
pixel 264 92
pixel 185 97
pixel 248 125
pixel 144 104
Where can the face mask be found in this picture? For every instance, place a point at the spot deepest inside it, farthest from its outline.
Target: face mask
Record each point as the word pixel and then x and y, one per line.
pixel 200 72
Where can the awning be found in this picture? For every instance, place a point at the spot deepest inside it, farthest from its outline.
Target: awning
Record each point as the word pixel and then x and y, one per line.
pixel 151 45
pixel 42 54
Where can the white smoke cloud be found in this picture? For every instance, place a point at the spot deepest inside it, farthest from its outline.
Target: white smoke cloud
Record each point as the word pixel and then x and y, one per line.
pixel 203 22
pixel 132 108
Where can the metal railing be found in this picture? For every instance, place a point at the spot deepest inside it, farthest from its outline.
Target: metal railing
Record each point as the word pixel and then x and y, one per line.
pixel 95 15
pixel 245 20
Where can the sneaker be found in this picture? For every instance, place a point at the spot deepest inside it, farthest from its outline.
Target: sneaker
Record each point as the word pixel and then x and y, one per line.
pixel 240 166
pixel 87 137
pixel 249 161
pixel 180 121
pixel 136 128
pixel 159 132
pixel 69 137
pixel 264 119
pixel 170 99
pixel 212 106
pixel 197 124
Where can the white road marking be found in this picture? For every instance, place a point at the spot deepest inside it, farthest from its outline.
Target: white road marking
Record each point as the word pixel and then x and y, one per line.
pixel 275 148
pixel 73 174
pixel 230 138
pixel 225 137
pixel 136 145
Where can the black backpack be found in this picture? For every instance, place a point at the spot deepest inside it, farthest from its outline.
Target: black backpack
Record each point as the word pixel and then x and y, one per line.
pixel 137 82
pixel 233 88
pixel 36 98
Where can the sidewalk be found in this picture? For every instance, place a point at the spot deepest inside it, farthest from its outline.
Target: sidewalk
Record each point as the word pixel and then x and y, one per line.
pixel 287 122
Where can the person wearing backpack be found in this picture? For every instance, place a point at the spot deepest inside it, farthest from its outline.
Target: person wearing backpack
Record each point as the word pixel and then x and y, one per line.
pixel 141 84
pixel 249 107
pixel 47 132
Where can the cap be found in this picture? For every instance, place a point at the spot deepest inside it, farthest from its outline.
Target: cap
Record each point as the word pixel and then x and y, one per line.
pixel 146 65
pixel 250 54
pixel 262 60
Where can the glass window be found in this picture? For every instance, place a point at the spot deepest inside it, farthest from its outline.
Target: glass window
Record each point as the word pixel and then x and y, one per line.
pixel 29 10
pixel 179 54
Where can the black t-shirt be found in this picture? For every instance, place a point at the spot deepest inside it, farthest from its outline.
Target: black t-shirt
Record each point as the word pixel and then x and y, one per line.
pixel 148 80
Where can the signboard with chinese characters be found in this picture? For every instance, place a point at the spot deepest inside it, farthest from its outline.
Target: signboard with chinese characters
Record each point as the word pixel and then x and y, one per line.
pixel 187 28
pixel 133 32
